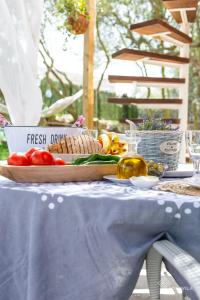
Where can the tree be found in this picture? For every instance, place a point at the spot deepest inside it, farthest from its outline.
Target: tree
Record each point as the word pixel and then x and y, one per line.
pixel 194 93
pixel 113 22
pixel 114 19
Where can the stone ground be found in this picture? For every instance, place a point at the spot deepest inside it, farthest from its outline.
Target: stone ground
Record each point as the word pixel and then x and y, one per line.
pixel 169 288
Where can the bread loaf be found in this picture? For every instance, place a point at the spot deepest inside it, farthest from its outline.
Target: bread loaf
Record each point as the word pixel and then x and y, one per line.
pixel 82 144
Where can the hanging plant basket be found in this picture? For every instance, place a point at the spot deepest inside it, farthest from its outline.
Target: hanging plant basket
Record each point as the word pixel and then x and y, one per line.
pixel 78 25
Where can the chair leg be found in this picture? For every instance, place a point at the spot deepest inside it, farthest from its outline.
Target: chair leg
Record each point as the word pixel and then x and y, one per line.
pixel 153 265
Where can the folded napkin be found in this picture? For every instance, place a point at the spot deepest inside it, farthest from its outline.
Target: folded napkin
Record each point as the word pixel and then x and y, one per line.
pixel 179 187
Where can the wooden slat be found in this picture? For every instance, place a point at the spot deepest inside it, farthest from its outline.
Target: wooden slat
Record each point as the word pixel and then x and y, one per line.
pixel 136 55
pixel 88 67
pixel 144 101
pixel 139 121
pixel 152 81
pixel 182 4
pixel 157 28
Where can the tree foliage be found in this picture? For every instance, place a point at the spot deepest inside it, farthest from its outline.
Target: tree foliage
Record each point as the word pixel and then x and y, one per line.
pixel 113 21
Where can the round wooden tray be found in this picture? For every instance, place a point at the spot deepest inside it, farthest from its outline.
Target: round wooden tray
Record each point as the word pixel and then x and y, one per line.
pixel 45 174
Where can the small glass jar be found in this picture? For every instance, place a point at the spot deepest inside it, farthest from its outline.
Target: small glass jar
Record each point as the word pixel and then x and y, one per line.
pixel 132 164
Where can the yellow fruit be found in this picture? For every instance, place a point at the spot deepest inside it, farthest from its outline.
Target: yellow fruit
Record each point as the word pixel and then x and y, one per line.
pixel 112 145
pixel 115 149
pixel 113 137
pixel 105 141
pixel 110 134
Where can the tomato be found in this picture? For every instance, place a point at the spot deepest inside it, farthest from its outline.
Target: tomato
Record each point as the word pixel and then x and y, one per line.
pixel 59 161
pixel 41 157
pixel 30 152
pixel 18 159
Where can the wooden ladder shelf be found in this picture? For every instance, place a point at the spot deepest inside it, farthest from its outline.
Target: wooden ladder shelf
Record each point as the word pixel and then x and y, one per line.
pixel 182 10
pixel 147 81
pixel 161 30
pixel 150 57
pixel 149 103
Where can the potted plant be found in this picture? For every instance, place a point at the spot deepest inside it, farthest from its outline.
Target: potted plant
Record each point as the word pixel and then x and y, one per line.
pixel 75 14
pixel 160 141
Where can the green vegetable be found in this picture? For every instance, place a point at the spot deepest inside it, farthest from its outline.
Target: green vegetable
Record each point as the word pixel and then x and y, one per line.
pixel 80 160
pixel 108 157
pixel 96 158
pixel 92 157
pixel 100 162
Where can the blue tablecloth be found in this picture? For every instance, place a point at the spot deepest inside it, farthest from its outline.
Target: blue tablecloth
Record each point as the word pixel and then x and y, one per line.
pixel 85 241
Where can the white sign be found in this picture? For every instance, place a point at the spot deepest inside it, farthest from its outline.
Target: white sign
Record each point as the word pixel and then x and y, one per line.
pixel 170 147
pixel 22 138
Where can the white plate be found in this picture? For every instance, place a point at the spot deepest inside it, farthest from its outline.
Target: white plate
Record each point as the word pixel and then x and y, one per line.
pixel 194 182
pixel 114 178
pixel 184 170
pixel 178 174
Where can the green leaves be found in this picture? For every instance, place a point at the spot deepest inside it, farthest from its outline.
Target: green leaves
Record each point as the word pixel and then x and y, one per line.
pixel 71 8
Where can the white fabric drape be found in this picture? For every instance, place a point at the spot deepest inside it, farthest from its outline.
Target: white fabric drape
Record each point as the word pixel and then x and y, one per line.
pixel 19 37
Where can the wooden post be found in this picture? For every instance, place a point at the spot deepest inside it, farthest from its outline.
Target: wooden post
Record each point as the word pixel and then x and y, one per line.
pixel 184 91
pixel 88 71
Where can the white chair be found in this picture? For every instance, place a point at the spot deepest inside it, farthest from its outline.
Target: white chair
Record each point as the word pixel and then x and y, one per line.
pixel 184 263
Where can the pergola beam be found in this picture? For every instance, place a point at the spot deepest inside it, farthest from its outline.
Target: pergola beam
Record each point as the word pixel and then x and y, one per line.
pixel 88 71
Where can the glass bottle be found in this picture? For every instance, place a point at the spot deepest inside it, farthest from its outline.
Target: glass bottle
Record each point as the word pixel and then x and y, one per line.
pixel 132 164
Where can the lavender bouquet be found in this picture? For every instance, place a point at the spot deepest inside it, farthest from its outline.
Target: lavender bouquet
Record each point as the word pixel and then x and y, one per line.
pixel 156 124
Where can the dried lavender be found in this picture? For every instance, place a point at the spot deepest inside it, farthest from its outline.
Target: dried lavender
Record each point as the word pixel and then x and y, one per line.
pixel 156 124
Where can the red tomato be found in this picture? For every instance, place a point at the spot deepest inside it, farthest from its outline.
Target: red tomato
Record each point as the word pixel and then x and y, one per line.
pixel 18 159
pixel 30 152
pixel 59 161
pixel 41 157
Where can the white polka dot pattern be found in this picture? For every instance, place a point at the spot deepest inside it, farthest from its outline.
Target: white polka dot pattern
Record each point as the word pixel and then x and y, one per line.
pixel 161 202
pixel 169 210
pixel 60 199
pixel 188 211
pixel 54 195
pixel 177 216
pixel 196 204
pixel 51 205
pixel 44 197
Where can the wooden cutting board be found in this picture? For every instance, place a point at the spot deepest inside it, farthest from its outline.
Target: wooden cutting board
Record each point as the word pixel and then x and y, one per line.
pixel 45 174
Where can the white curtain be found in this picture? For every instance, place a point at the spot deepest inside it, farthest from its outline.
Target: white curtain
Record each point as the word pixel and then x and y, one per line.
pixel 19 37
